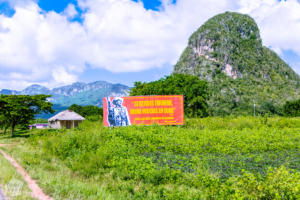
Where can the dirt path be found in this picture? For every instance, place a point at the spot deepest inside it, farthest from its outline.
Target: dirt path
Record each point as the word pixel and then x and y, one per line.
pixel 2 195
pixel 36 191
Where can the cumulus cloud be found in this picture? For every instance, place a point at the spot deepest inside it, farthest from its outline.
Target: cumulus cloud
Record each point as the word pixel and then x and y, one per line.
pixel 35 43
pixel 60 75
pixel 280 25
pixel 121 36
pixel 70 11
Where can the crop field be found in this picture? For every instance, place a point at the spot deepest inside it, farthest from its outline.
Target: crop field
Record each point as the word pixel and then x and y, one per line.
pixel 208 158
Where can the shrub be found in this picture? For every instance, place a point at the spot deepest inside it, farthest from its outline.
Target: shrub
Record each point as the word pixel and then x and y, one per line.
pixel 292 108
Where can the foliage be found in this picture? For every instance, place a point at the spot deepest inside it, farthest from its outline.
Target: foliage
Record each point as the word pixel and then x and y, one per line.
pixel 194 90
pixel 4 124
pixel 91 112
pixel 255 74
pixel 292 108
pixel 209 158
pixel 20 109
pixel 38 120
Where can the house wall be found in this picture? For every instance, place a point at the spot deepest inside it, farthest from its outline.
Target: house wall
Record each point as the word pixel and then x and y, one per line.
pixel 54 124
pixel 64 124
pixel 41 126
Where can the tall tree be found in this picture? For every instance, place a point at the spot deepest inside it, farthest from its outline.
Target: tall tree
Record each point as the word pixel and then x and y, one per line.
pixel 194 90
pixel 20 109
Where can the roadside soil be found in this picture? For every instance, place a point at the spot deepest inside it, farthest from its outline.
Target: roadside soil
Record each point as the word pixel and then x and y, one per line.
pixel 2 197
pixel 36 191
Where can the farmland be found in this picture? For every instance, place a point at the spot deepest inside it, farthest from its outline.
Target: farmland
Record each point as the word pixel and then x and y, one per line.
pixel 207 158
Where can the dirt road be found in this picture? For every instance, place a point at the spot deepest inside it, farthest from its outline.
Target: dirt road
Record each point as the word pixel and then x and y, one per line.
pixel 1 195
pixel 36 191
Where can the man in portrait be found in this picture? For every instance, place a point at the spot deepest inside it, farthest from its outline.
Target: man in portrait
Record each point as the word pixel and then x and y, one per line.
pixel 117 114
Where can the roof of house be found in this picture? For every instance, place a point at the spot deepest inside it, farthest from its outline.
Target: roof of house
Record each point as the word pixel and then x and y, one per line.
pixel 67 115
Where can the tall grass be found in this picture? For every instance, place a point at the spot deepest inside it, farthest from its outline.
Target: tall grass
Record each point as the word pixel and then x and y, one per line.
pixel 12 184
pixel 210 158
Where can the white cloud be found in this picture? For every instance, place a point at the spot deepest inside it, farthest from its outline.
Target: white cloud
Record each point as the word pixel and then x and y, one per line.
pixel 36 43
pixel 70 11
pixel 280 26
pixel 61 76
pixel 121 36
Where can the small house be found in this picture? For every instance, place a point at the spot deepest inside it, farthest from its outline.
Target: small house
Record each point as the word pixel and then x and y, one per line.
pixel 65 119
pixel 38 126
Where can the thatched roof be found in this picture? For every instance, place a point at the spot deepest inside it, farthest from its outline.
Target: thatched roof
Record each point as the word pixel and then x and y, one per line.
pixel 67 115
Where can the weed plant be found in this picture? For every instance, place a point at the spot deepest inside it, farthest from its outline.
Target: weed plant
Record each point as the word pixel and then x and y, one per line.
pixel 209 158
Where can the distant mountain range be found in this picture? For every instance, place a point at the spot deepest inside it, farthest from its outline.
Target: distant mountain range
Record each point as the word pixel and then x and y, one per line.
pixel 77 93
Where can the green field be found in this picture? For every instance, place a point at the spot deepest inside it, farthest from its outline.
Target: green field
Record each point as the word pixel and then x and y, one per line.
pixel 209 158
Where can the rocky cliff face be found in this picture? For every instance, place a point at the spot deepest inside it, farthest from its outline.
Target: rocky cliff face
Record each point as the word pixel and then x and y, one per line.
pixel 35 89
pixel 227 51
pixel 77 93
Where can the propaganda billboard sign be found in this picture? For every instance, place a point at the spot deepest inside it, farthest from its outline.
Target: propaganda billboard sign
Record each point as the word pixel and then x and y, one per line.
pixel 143 110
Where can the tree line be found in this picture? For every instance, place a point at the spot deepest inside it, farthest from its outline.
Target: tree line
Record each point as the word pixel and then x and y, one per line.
pixel 92 113
pixel 194 90
pixel 19 110
pixel 196 95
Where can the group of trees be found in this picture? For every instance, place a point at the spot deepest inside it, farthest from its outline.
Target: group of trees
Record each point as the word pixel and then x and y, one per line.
pixel 195 92
pixel 90 112
pixel 20 109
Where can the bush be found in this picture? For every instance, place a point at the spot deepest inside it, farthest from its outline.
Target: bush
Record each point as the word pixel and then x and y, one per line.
pixel 292 108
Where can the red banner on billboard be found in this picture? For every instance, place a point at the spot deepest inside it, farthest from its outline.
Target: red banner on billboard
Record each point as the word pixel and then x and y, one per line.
pixel 146 110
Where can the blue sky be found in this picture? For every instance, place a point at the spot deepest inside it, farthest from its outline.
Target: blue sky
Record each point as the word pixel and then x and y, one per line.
pixel 57 42
pixel 60 5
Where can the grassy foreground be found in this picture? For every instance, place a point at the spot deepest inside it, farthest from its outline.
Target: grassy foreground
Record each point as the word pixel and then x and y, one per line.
pixel 12 184
pixel 210 158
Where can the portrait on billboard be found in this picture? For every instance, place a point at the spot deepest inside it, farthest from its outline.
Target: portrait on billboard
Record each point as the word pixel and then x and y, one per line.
pixel 143 110
pixel 117 113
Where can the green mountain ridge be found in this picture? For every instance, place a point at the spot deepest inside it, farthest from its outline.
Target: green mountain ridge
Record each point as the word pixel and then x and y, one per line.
pixel 76 93
pixel 227 51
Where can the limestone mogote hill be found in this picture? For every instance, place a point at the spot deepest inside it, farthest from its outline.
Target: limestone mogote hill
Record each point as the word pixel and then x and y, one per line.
pixel 227 51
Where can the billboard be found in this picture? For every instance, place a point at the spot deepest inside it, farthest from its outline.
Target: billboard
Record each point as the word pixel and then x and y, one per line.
pixel 144 110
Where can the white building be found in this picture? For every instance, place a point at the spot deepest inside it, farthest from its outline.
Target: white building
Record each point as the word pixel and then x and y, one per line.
pixel 65 119
pixel 38 126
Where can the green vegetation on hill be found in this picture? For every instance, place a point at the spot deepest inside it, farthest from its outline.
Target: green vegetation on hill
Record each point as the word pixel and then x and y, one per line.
pixel 194 90
pixel 209 158
pixel 227 51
